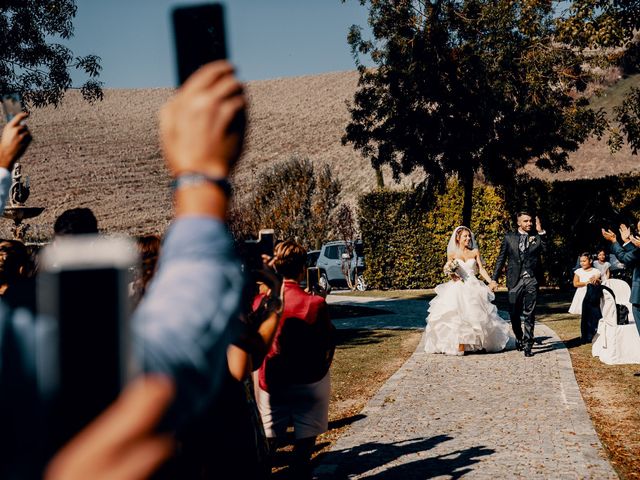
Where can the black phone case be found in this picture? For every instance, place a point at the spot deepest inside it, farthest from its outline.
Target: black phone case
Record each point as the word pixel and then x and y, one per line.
pixel 199 37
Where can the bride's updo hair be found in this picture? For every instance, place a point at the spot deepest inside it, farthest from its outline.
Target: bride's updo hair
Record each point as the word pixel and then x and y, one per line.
pixel 459 234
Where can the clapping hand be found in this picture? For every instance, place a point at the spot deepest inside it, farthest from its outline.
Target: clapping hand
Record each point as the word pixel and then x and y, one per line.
pixel 635 240
pixel 625 233
pixel 609 235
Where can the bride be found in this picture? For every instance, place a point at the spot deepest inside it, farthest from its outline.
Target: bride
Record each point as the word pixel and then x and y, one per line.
pixel 461 316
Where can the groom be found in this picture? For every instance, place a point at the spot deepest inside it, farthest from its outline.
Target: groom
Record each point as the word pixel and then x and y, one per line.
pixel 521 251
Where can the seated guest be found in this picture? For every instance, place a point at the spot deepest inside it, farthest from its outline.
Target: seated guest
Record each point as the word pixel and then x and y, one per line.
pixel 602 265
pixel 293 381
pixel 582 277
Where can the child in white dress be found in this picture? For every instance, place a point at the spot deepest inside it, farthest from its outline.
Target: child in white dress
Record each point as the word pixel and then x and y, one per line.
pixel 582 277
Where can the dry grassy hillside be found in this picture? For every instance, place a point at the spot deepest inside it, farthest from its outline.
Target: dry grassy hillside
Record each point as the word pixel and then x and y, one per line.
pixel 107 157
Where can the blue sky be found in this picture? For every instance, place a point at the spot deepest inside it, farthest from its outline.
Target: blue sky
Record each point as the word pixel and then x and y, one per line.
pixel 267 38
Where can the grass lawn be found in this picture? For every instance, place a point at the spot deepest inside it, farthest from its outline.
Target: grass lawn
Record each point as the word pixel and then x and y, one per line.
pixel 365 359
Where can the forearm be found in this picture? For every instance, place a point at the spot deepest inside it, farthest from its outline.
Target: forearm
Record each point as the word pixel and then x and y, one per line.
pixel 182 327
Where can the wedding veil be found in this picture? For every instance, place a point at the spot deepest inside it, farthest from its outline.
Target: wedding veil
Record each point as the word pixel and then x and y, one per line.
pixel 452 248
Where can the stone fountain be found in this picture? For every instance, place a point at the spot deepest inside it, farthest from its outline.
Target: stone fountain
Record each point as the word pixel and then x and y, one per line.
pixel 16 210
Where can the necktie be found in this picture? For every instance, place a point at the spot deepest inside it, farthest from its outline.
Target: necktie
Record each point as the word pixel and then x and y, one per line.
pixel 523 243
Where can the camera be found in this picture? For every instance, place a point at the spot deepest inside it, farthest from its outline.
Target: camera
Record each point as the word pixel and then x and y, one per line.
pixel 253 250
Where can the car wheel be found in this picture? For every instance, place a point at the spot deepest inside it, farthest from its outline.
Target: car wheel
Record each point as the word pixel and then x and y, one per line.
pixel 361 285
pixel 324 283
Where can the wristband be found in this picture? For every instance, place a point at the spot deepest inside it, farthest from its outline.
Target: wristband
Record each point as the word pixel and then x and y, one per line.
pixel 195 178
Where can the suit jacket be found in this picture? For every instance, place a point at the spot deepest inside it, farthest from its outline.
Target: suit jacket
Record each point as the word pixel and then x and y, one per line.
pixel 517 262
pixel 630 256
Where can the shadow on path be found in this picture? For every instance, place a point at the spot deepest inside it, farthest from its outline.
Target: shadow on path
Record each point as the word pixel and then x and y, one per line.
pixel 340 464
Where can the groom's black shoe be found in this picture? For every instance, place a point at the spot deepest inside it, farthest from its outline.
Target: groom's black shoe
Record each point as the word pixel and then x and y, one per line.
pixel 519 346
pixel 527 351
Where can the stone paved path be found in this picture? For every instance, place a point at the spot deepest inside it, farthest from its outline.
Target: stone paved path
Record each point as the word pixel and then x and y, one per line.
pixel 478 416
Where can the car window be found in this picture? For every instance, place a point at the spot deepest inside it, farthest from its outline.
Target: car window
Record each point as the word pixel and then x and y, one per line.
pixel 331 252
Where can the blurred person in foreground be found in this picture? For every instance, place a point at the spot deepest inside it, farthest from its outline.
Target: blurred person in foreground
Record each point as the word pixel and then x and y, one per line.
pixel 294 381
pixel 182 327
pixel 629 254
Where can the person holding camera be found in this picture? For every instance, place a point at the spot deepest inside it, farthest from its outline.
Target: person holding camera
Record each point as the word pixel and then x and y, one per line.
pixel 294 381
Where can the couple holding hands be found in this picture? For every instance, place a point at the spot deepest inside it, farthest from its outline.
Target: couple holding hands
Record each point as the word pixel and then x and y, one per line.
pixel 462 317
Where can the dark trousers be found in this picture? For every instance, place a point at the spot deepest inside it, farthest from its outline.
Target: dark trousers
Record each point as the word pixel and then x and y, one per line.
pixel 591 313
pixel 635 309
pixel 523 297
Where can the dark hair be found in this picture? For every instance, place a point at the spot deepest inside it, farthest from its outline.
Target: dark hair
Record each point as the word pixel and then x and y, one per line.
pixel 290 258
pixel 14 261
pixel 76 221
pixel 522 213
pixel 586 254
pixel 148 249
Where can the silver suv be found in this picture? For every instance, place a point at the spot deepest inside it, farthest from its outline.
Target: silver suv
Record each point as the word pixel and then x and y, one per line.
pixel 334 260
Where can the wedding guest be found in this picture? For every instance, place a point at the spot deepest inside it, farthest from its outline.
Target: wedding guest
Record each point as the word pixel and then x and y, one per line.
pixel 75 221
pixel 294 381
pixel 183 326
pixel 602 265
pixel 629 254
pixel 582 277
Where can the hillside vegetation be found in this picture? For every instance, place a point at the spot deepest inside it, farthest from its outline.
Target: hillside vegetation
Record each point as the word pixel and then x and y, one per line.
pixel 107 157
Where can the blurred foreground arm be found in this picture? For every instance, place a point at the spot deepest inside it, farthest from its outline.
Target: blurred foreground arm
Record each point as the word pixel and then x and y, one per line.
pixel 182 326
pixel 121 443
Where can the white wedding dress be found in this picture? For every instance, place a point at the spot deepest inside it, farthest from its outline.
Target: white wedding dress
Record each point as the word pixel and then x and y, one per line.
pixel 462 313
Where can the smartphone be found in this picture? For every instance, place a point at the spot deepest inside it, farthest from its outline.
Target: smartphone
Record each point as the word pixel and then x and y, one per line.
pixel 199 37
pixel 313 279
pixel 11 105
pixel 266 242
pixel 83 298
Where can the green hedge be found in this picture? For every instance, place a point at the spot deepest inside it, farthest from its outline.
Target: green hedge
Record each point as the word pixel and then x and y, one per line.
pixel 405 244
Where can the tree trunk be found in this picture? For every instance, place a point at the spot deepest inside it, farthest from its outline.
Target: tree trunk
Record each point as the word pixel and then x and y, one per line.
pixel 467 183
pixel 379 177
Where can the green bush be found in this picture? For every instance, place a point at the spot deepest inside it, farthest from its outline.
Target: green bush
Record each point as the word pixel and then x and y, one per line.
pixel 405 243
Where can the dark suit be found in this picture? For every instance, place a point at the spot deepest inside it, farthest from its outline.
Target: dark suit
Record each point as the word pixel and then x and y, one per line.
pixel 630 256
pixel 522 280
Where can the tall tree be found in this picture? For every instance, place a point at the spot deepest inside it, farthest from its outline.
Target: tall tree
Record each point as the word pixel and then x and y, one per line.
pixel 468 86
pixel 32 62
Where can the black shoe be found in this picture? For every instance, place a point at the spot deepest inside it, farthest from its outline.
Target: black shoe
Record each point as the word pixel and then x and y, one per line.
pixel 528 352
pixel 519 346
